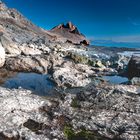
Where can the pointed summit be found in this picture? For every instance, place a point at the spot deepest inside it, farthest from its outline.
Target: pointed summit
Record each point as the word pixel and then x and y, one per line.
pixel 70 26
pixel 70 32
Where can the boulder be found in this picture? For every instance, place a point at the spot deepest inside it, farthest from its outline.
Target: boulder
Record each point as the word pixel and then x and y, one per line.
pixel 134 67
pixel 70 75
pixel 9 46
pixel 22 63
pixel 27 50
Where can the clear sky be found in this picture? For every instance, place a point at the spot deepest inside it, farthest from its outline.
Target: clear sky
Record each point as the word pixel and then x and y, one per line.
pixel 99 19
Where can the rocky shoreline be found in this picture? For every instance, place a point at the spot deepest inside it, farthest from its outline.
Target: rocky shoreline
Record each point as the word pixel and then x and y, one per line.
pixel 85 106
pixel 96 110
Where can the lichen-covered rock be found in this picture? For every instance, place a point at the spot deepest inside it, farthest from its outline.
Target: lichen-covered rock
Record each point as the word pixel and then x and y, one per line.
pixel 71 75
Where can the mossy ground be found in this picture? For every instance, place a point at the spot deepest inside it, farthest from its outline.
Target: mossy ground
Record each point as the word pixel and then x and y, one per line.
pixel 75 103
pixel 80 135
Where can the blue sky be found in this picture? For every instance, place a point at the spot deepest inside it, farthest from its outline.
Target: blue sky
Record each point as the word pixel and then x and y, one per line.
pixel 117 20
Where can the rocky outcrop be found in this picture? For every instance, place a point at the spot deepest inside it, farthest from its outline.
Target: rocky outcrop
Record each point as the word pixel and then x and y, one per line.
pixel 38 64
pixel 134 67
pixel 70 75
pixel 70 33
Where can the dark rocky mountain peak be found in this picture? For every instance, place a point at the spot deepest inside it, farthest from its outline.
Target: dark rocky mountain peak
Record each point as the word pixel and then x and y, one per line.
pixel 70 27
pixel 70 32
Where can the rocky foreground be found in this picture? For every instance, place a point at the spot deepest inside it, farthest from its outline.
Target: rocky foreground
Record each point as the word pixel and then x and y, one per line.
pixel 110 112
pixel 85 105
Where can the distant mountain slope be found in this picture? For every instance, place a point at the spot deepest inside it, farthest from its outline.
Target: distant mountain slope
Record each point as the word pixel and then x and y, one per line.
pixel 16 27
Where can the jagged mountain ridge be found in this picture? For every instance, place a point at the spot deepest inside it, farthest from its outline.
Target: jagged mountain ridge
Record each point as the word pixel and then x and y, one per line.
pixel 71 32
pixel 18 28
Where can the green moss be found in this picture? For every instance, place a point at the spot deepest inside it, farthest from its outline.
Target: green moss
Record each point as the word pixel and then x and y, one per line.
pixel 75 103
pixel 79 58
pixel 91 62
pixel 68 132
pixel 85 135
pixel 81 135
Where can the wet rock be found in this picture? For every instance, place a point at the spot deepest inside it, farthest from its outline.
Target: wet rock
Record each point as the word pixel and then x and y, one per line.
pixel 33 125
pixel 4 75
pixel 134 67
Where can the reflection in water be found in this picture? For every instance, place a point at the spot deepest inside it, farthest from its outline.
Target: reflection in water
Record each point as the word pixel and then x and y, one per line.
pixel 39 84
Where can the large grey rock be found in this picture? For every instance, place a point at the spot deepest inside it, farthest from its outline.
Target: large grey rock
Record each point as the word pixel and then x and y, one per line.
pixel 35 63
pixel 71 75
pixel 134 67
pixel 28 50
pixel 9 46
